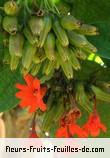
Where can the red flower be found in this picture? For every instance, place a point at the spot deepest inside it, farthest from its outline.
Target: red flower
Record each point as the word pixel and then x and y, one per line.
pixel 70 130
pixel 33 135
pixel 77 130
pixel 94 125
pixel 62 132
pixel 31 94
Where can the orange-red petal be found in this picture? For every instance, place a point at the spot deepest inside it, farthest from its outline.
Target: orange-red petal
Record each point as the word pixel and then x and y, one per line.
pixel 43 91
pixel 103 127
pixel 77 130
pixel 29 80
pixel 21 87
pixel 33 108
pixel 94 125
pixel 62 133
pixel 31 94
pixel 23 95
pixel 36 84
pixel 24 103
pixel 33 135
pixel 43 106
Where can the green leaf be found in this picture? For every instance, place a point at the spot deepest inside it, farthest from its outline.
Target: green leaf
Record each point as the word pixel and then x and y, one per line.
pixel 2 2
pixel 96 12
pixel 88 69
pixel 103 75
pixel 68 1
pixel 104 111
pixel 92 11
pixel 106 61
pixel 92 71
pixel 102 42
pixel 8 80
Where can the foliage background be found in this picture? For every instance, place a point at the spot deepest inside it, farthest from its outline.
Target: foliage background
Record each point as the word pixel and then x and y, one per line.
pixel 93 12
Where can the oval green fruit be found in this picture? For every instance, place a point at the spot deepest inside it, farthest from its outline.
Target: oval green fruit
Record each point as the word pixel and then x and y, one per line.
pixel 10 8
pixel 36 25
pixel 10 24
pixel 16 44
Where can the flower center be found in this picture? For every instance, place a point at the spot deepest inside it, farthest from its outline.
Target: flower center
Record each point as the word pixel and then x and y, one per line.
pixel 35 92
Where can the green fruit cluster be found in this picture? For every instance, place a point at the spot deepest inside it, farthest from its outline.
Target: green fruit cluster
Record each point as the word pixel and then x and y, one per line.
pixel 46 42
pixel 85 97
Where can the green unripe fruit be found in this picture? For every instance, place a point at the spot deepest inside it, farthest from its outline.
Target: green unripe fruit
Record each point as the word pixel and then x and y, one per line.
pixel 63 7
pixel 29 36
pixel 69 22
pixel 14 62
pixel 10 24
pixel 60 33
pixel 49 46
pixel 35 69
pixel 28 54
pixel 46 29
pixel 16 44
pixel 10 8
pixel 36 25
